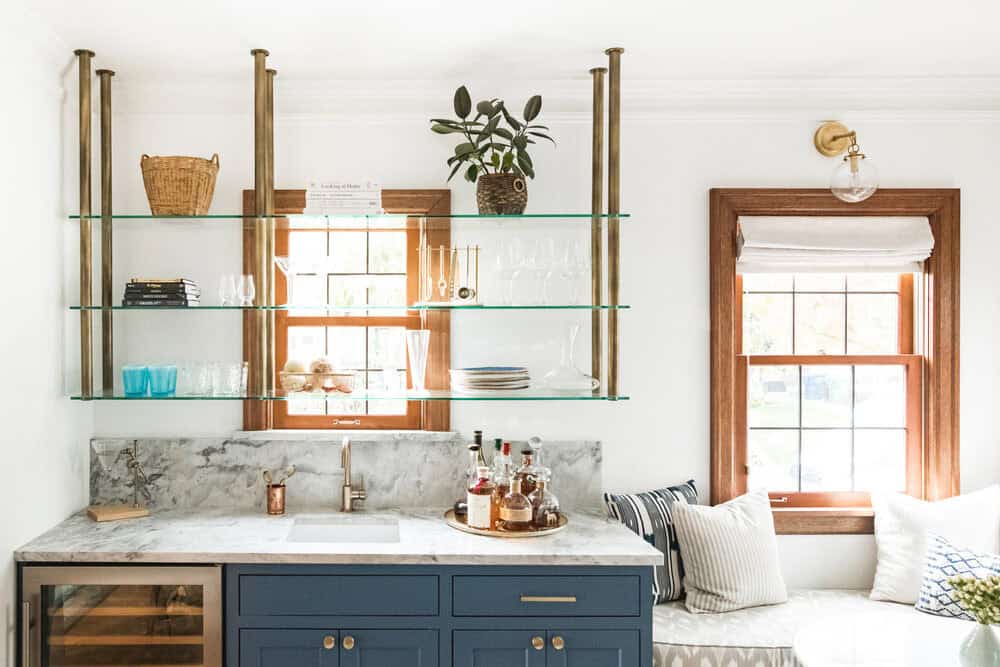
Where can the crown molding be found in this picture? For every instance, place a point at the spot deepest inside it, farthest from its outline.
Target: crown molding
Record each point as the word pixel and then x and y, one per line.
pixel 927 98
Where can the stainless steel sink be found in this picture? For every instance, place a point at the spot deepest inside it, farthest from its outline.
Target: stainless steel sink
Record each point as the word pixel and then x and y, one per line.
pixel 344 529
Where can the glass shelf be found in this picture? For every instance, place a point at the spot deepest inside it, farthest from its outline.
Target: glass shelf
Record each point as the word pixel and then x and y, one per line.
pixel 432 395
pixel 341 309
pixel 383 222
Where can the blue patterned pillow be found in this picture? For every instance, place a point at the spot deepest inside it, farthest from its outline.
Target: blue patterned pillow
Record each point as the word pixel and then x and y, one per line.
pixel 648 514
pixel 945 560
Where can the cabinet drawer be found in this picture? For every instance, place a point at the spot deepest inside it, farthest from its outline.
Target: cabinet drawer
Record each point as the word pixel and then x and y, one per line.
pixel 338 595
pixel 546 596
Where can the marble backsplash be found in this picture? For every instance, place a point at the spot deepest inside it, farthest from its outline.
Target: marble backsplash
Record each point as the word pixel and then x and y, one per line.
pixel 415 470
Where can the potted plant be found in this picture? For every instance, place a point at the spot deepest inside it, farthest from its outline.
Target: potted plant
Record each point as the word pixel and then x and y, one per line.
pixel 494 150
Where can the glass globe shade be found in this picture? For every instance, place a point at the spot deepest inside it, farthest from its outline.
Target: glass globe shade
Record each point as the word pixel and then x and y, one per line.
pixel 854 183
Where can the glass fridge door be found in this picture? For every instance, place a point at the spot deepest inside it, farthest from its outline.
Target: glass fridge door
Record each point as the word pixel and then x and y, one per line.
pixel 116 616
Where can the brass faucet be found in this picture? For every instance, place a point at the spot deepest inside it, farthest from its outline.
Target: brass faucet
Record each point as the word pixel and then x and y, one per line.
pixel 348 494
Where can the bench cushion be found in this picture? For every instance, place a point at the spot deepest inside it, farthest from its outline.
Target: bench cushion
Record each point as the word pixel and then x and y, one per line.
pixel 755 637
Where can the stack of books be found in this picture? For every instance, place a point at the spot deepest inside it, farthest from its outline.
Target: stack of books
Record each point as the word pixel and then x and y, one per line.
pixel 161 292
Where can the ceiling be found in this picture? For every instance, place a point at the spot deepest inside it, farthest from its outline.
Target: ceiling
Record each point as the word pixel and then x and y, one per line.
pixel 556 39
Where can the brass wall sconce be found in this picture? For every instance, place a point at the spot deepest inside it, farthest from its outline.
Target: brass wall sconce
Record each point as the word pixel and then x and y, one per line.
pixel 855 179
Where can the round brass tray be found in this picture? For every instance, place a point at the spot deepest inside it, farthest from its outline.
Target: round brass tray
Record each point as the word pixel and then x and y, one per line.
pixel 458 523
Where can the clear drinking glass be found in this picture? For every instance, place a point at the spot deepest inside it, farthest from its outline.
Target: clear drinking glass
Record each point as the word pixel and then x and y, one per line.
pixel 247 290
pixel 227 290
pixel 417 344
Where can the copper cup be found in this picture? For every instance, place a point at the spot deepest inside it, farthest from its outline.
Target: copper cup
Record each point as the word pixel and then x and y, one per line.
pixel 275 498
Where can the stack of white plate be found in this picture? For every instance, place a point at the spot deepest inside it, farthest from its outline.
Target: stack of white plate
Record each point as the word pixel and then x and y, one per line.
pixel 489 379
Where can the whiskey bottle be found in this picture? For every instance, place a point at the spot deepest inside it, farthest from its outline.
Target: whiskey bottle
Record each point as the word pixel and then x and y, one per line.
pixel 501 475
pixel 477 439
pixel 515 510
pixel 471 475
pixel 544 506
pixel 480 500
pixel 528 473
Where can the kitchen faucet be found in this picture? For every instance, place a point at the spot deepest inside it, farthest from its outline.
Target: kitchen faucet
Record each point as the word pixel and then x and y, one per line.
pixel 348 494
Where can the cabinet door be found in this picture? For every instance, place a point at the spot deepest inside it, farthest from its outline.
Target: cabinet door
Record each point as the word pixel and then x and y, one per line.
pixel 289 648
pixel 389 648
pixel 593 648
pixel 499 648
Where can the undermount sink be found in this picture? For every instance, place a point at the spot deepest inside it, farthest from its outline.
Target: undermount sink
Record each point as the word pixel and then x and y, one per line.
pixel 344 529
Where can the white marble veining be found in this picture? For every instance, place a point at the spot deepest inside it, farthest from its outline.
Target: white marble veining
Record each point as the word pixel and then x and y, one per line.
pixel 246 536
pixel 398 469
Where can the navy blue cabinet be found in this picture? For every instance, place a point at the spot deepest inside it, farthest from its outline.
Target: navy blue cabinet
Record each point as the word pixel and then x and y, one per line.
pixel 499 648
pixel 288 648
pixel 389 648
pixel 593 648
pixel 438 616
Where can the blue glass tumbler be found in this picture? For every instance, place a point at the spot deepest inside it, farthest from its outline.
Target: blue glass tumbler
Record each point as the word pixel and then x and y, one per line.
pixel 135 380
pixel 162 380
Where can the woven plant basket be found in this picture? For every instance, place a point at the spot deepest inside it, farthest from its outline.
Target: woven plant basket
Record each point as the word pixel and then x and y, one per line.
pixel 178 185
pixel 501 194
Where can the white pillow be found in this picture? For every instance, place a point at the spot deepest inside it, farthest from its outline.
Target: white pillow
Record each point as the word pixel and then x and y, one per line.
pixel 730 554
pixel 970 521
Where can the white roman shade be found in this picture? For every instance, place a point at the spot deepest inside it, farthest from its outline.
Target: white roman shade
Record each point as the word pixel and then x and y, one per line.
pixel 792 244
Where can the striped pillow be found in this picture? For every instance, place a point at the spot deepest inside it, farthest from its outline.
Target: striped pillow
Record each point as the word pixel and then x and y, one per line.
pixel 649 515
pixel 731 553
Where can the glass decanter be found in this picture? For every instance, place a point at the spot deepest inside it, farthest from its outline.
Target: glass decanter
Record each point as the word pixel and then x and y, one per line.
pixel 566 376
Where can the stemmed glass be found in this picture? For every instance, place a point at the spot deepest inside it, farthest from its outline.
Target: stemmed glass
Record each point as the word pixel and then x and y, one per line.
pixel 227 290
pixel 247 290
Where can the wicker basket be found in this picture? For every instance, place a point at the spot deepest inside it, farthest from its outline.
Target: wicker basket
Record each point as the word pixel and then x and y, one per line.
pixel 178 185
pixel 501 194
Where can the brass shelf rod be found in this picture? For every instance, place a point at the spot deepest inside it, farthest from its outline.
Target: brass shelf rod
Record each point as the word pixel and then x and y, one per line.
pixel 107 239
pixel 614 208
pixel 258 354
pixel 84 57
pixel 596 228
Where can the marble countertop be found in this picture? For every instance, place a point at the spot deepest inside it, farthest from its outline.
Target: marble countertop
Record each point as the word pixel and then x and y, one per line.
pixel 244 536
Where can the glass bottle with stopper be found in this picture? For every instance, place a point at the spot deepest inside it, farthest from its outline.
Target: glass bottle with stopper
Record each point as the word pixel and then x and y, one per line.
pixel 480 501
pixel 544 506
pixel 515 510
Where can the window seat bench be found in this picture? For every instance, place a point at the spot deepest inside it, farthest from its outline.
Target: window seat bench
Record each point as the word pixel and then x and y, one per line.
pixel 756 637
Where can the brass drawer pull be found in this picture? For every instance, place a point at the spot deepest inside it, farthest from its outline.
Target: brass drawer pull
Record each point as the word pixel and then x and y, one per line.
pixel 348 642
pixel 548 598
pixel 558 643
pixel 538 643
pixel 329 642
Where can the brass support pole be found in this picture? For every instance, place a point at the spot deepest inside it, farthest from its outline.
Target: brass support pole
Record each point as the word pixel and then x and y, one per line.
pixel 86 243
pixel 107 250
pixel 269 254
pixel 596 226
pixel 614 208
pixel 258 353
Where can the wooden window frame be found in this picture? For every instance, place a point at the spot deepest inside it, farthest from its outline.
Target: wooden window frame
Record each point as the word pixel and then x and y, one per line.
pixel 421 415
pixel 939 394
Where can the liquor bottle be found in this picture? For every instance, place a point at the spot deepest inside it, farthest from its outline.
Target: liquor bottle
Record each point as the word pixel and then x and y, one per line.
pixel 501 475
pixel 471 475
pixel 480 500
pixel 536 447
pixel 477 439
pixel 528 473
pixel 515 510
pixel 544 506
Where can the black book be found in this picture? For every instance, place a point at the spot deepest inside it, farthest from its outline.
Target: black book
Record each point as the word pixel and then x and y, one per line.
pixel 160 295
pixel 160 302
pixel 138 289
pixel 161 281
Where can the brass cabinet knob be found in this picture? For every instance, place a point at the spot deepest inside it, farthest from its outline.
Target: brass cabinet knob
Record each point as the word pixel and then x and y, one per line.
pixel 348 642
pixel 329 642
pixel 538 643
pixel 558 643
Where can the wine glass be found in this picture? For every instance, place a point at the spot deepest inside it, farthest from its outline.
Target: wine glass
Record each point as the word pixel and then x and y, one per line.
pixel 227 290
pixel 247 290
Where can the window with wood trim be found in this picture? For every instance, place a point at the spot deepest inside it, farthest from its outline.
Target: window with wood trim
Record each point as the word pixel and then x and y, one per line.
pixel 363 264
pixel 828 397
pixel 826 387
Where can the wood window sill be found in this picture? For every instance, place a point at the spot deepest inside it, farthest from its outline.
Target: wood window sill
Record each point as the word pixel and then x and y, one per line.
pixel 824 521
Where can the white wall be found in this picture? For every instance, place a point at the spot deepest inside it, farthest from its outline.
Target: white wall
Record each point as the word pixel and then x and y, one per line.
pixel 672 155
pixel 44 435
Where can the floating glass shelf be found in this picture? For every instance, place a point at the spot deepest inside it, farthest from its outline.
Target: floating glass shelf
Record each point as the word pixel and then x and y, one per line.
pixel 383 222
pixel 431 395
pixel 341 309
